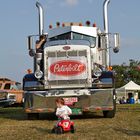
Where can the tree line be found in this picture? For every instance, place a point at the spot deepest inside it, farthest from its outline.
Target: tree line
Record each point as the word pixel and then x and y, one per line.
pixel 127 72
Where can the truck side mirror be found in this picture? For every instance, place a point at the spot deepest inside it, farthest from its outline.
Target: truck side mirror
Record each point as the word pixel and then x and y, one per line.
pixel 30 42
pixel 32 52
pixel 116 43
pixel 30 46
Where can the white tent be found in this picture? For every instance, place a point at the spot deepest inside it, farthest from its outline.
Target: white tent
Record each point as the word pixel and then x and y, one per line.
pixel 130 87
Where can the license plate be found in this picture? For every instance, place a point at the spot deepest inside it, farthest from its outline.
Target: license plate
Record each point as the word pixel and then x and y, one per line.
pixel 70 101
pixel 76 111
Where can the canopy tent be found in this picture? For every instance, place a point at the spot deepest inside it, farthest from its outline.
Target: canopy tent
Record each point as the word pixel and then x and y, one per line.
pixel 129 88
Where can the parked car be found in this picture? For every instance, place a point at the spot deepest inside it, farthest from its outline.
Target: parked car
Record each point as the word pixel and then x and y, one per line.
pixel 5 99
pixel 13 89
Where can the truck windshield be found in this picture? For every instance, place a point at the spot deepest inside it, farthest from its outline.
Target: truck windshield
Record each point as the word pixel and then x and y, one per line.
pixel 75 36
pixel 91 39
pixel 66 36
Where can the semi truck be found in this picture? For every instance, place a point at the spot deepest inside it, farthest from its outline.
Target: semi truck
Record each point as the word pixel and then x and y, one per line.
pixel 71 61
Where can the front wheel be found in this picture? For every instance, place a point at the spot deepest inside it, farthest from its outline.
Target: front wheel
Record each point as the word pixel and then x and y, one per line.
pixel 72 129
pixel 109 114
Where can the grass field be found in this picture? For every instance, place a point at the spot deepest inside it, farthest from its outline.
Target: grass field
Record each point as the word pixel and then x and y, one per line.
pixel 126 126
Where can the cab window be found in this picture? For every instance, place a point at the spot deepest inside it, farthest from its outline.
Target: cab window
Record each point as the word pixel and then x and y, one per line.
pixel 65 36
pixel 77 36
pixel 7 86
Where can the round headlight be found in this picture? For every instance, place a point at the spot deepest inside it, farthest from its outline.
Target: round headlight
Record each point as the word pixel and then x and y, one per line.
pixel 38 74
pixel 97 72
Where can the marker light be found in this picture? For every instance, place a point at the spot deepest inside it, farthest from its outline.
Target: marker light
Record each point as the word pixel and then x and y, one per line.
pixel 94 24
pixel 110 68
pixel 57 24
pixel 63 25
pixel 50 26
pixel 71 24
pixel 88 23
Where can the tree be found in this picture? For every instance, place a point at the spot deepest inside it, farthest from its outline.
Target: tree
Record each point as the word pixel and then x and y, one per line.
pixel 126 73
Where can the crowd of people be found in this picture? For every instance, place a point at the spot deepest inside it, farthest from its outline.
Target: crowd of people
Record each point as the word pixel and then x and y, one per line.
pixel 129 100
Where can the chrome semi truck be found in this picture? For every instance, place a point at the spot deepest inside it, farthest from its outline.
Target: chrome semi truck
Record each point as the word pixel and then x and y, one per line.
pixel 71 61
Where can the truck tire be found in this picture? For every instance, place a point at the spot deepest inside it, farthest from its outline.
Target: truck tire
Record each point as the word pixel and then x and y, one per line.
pixel 111 113
pixel 33 116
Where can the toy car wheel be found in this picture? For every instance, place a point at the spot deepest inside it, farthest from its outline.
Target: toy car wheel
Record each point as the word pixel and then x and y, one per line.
pixel 59 130
pixel 53 130
pixel 72 129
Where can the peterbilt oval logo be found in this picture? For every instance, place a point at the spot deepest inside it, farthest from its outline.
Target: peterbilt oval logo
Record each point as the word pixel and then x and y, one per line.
pixel 66 48
pixel 67 68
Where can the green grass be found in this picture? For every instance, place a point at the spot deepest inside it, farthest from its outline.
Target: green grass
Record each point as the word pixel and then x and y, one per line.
pixel 126 125
pixel 128 107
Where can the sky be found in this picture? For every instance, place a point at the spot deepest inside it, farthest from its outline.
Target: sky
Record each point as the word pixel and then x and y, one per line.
pixel 19 18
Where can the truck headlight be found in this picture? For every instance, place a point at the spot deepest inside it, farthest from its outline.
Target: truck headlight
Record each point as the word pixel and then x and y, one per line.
pixel 97 72
pixel 38 74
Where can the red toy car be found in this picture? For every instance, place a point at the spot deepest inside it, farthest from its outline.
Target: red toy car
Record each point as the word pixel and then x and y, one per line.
pixel 64 126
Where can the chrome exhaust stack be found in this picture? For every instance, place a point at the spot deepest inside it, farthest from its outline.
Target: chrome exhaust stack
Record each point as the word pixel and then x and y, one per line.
pixel 41 18
pixel 105 15
pixel 38 55
pixel 106 31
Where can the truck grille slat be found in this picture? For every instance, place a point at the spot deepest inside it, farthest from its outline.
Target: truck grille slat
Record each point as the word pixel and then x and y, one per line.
pixel 64 82
pixel 69 53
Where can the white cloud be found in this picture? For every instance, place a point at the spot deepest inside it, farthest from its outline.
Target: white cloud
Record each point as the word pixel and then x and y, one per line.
pixel 72 2
pixel 69 2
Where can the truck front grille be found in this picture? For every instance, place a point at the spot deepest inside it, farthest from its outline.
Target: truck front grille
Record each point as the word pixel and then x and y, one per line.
pixel 70 83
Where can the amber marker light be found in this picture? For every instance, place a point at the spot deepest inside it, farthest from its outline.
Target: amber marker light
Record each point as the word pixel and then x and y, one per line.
pixel 110 68
pixel 57 24
pixel 88 23
pixel 71 24
pixel 50 26
pixel 94 25
pixel 63 25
